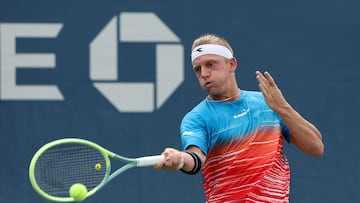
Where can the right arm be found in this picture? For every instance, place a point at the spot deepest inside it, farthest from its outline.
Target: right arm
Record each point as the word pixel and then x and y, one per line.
pixel 176 160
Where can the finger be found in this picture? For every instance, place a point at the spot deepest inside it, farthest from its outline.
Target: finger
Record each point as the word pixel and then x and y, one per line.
pixel 262 82
pixel 269 78
pixel 159 165
pixel 169 162
pixel 260 78
pixel 162 164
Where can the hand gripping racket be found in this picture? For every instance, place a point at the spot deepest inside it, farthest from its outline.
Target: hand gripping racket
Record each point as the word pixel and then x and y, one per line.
pixel 58 165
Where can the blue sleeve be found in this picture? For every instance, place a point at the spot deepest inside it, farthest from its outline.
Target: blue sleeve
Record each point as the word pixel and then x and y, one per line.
pixel 193 132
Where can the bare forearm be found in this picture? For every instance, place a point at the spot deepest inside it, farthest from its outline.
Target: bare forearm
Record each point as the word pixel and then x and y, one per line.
pixel 303 134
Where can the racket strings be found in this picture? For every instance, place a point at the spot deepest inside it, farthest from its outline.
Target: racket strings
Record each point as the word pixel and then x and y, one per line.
pixel 61 166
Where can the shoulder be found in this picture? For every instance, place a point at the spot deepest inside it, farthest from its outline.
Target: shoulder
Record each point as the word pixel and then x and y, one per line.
pixel 252 95
pixel 197 111
pixel 255 100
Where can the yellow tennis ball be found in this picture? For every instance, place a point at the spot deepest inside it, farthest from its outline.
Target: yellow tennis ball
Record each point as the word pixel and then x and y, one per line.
pixel 98 166
pixel 78 192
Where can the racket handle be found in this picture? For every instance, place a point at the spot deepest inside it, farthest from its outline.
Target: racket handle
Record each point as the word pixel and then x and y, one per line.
pixel 149 160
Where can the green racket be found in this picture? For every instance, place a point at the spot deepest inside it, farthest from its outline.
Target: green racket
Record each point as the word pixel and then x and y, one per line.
pixel 58 165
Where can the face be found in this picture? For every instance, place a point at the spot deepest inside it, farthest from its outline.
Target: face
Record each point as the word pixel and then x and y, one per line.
pixel 215 73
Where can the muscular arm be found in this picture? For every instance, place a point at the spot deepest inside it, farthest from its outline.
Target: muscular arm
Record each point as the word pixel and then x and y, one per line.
pixel 304 135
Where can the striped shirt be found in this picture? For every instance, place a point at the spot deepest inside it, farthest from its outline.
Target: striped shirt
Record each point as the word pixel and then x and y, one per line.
pixel 243 142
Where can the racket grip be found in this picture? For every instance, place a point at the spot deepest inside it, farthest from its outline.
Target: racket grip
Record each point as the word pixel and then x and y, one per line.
pixel 149 160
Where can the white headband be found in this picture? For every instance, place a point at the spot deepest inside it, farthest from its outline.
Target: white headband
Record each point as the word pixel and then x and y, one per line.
pixel 210 49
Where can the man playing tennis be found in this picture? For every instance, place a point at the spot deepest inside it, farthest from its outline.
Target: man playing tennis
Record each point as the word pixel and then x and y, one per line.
pixel 235 137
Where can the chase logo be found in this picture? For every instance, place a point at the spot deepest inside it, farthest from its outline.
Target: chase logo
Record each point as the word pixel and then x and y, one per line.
pixel 136 28
pixel 127 27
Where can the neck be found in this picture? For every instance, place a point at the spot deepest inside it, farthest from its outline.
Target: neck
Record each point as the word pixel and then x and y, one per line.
pixel 226 98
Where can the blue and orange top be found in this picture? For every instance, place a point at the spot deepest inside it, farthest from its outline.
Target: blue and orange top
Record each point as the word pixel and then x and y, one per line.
pixel 243 144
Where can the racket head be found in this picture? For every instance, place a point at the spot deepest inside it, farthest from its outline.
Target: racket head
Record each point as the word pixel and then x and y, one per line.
pixel 56 166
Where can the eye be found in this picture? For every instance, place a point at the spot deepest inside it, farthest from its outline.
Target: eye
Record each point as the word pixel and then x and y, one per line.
pixel 210 64
pixel 197 69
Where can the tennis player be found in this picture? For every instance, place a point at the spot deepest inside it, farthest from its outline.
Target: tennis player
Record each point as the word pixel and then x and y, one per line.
pixel 234 137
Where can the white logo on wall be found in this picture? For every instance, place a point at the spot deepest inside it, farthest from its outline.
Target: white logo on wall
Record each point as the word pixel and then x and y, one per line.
pixel 128 27
pixel 136 28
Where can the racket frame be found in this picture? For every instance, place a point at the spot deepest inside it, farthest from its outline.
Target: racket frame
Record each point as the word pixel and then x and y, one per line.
pixel 129 163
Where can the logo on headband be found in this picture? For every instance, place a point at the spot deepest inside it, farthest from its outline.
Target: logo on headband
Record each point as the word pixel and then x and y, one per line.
pixel 211 49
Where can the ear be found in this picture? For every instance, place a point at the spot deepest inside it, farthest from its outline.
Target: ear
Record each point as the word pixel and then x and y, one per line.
pixel 233 64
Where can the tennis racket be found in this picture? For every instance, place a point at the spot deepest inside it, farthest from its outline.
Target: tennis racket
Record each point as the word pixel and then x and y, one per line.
pixel 56 166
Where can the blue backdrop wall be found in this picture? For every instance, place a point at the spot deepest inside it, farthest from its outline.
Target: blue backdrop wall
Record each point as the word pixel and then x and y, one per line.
pixel 77 50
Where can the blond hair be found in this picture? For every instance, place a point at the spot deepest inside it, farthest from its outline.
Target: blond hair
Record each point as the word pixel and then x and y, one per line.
pixel 211 39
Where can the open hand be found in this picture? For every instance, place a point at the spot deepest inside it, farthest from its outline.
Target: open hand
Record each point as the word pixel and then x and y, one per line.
pixel 272 94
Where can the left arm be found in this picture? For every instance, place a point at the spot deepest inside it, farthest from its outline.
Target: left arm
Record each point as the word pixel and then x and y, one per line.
pixel 304 135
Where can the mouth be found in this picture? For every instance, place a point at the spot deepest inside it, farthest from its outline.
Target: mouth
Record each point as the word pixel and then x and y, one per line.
pixel 208 84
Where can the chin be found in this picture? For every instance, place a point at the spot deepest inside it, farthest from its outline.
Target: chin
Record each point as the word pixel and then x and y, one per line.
pixel 214 94
pixel 212 91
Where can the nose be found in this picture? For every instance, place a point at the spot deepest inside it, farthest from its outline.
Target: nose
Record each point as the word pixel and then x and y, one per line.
pixel 204 73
